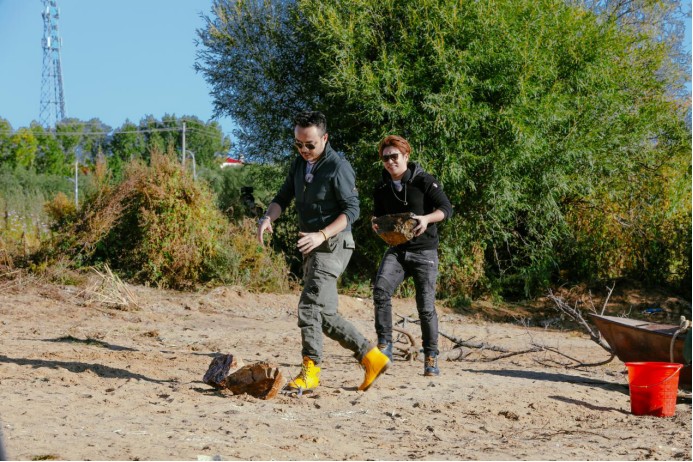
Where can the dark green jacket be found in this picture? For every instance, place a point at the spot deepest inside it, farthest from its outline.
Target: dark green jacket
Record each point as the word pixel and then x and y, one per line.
pixel 331 192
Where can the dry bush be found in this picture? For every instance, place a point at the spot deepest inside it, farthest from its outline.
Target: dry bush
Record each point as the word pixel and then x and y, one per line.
pixel 256 268
pixel 60 210
pixel 161 227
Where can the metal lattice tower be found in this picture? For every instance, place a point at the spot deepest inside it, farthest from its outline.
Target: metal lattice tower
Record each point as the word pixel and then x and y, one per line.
pixel 52 97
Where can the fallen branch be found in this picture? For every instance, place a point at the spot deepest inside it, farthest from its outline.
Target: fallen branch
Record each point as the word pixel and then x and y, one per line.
pixel 516 353
pixel 575 314
pixel 461 342
pixel 411 352
pixel 578 362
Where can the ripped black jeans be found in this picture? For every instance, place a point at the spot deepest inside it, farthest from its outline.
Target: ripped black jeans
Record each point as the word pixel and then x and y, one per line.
pixel 422 266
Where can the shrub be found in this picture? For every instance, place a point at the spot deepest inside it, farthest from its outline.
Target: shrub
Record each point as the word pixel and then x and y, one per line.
pixel 158 226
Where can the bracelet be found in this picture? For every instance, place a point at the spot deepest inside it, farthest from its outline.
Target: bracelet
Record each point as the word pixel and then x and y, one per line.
pixel 323 234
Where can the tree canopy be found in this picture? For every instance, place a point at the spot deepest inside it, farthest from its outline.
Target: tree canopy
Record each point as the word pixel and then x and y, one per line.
pixel 558 129
pixel 53 151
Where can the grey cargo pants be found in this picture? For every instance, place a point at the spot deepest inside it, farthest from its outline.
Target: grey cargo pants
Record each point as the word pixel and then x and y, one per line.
pixel 317 307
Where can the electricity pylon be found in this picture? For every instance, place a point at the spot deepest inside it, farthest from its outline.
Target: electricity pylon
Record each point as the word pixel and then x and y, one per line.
pixel 52 97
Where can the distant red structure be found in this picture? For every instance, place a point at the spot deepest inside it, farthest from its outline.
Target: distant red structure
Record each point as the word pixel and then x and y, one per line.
pixel 231 162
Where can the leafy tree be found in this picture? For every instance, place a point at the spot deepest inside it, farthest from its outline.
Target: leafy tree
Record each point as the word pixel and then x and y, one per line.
pixel 50 159
pixel 153 134
pixel 95 140
pixel 524 109
pixel 18 148
pixel 127 144
pixel 256 64
pixel 206 141
pixel 661 20
pixel 5 134
pixel 23 146
pixel 89 137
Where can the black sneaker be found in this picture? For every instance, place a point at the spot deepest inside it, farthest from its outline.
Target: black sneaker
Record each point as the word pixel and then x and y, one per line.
pixel 386 348
pixel 431 366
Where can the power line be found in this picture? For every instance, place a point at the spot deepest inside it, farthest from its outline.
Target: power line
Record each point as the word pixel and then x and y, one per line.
pixel 117 132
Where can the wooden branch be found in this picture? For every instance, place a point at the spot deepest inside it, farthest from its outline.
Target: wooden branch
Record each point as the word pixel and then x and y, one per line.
pixel 607 298
pixel 458 341
pixel 575 314
pixel 516 353
pixel 580 363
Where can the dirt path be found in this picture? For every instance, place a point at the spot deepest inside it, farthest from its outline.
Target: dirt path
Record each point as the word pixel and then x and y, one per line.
pixel 80 381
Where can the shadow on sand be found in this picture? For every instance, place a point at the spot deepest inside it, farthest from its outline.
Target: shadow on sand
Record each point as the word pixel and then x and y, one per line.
pixel 555 377
pixel 106 372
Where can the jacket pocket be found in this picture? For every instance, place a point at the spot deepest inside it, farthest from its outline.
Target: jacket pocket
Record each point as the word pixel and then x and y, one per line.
pixel 330 245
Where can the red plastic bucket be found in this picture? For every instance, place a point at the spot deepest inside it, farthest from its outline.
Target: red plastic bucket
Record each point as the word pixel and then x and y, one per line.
pixel 654 387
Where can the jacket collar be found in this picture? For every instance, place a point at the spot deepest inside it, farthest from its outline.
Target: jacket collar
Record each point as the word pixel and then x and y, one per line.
pixel 326 154
pixel 414 170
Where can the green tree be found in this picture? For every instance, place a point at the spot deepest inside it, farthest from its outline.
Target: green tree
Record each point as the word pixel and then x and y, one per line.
pixel 77 139
pixel 153 134
pixel 256 63
pixel 5 134
pixel 127 144
pixel 23 148
pixel 206 141
pixel 522 108
pixel 50 158
pixel 95 140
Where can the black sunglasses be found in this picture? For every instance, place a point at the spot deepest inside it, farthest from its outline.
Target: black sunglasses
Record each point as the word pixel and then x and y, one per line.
pixel 389 157
pixel 300 145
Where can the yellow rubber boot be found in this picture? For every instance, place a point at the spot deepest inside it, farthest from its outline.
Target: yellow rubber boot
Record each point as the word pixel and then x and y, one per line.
pixel 375 363
pixel 309 378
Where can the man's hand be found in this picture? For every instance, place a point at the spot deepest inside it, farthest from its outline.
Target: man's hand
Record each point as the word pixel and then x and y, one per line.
pixel 264 225
pixel 309 241
pixel 423 221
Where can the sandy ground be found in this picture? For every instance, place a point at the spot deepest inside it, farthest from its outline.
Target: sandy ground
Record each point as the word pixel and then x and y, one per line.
pixel 81 380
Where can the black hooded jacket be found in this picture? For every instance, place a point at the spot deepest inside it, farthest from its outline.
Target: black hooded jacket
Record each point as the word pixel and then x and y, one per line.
pixel 421 194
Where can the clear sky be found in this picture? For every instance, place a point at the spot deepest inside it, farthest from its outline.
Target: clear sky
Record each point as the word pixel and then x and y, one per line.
pixel 121 59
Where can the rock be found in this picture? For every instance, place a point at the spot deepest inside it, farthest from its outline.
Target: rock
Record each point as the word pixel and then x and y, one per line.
pixel 397 228
pixel 261 380
pixel 220 368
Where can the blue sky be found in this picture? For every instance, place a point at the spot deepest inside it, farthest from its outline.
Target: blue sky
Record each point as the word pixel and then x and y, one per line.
pixel 121 59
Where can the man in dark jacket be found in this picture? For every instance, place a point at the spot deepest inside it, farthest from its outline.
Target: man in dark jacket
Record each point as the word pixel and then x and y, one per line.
pixel 406 187
pixel 324 186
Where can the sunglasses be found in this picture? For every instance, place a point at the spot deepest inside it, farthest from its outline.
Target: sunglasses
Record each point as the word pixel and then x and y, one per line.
pixel 308 146
pixel 389 157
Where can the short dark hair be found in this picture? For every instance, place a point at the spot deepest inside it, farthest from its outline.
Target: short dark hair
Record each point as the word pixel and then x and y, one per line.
pixel 311 119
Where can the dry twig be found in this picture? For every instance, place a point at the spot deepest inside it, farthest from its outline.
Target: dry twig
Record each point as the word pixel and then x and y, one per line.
pixel 575 314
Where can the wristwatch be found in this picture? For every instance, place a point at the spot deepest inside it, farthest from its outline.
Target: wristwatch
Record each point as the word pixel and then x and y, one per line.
pixel 263 218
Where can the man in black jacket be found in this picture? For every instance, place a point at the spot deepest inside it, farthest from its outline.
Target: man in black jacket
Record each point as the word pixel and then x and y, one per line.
pixel 324 187
pixel 406 187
